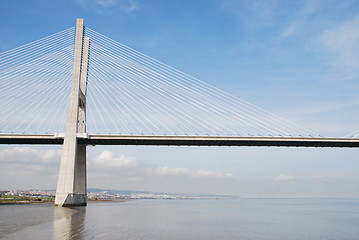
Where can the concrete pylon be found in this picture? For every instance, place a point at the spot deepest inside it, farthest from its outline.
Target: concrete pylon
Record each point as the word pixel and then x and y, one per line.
pixel 71 185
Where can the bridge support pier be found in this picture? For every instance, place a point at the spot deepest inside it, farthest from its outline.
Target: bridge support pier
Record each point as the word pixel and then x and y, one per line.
pixel 71 186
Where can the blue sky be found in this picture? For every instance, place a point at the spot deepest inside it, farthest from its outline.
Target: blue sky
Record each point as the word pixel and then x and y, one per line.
pixel 298 59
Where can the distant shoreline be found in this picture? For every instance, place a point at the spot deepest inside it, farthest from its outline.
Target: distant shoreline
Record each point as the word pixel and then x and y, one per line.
pixel 15 202
pixel 20 202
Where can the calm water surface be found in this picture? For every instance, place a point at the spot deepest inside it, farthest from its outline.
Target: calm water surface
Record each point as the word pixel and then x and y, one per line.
pixel 245 219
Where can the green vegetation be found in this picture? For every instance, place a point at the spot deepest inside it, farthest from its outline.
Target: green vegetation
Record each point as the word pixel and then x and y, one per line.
pixel 13 199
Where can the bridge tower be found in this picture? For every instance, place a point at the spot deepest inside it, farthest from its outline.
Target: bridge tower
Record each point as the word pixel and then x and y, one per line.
pixel 71 185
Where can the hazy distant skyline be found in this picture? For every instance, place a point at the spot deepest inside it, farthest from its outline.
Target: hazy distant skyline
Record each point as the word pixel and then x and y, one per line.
pixel 298 59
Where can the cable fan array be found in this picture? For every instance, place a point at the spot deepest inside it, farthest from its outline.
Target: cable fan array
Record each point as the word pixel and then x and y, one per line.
pixel 35 82
pixel 130 93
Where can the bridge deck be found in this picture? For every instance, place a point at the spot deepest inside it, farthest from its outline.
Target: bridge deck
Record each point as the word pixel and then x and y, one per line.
pixel 47 139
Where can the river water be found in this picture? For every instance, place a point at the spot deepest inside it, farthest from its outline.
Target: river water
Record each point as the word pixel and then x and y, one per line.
pixel 244 219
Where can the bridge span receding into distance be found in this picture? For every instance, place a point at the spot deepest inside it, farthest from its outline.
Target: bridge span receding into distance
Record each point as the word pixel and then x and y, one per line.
pixel 166 140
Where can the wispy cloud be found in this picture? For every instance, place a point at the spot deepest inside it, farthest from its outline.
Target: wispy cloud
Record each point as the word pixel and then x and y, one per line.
pixel 184 172
pixel 282 177
pixel 29 161
pixel 166 171
pixel 325 107
pixel 203 173
pixel 108 159
pixel 29 155
pixel 105 6
pixel 301 19
pixel 132 6
pixel 105 3
pixel 251 12
pixel 341 45
pixel 131 166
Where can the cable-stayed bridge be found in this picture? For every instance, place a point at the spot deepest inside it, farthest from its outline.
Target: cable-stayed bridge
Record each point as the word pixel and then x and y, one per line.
pixel 78 88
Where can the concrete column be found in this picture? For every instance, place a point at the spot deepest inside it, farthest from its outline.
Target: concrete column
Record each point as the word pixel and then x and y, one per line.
pixel 80 166
pixel 71 185
pixel 83 86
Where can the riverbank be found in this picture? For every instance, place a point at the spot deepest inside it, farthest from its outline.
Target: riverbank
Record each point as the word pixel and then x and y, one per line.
pixel 8 201
pixel 24 200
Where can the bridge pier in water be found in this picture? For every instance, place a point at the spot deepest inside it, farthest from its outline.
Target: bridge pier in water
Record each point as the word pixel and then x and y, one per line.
pixel 71 186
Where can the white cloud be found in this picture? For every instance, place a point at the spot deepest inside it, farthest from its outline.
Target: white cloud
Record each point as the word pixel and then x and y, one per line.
pixel 132 167
pixel 184 172
pixel 341 47
pixel 203 173
pixel 324 179
pixel 29 155
pixel 344 36
pixel 105 3
pixel 23 162
pixel 282 177
pixel 290 30
pixel 108 159
pixel 132 6
pixel 253 13
pixel 166 171
pixel 19 164
pixel 301 19
pixel 104 6
pixel 325 107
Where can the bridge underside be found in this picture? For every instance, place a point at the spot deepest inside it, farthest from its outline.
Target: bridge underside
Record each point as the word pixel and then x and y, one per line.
pixel 185 141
